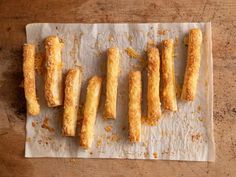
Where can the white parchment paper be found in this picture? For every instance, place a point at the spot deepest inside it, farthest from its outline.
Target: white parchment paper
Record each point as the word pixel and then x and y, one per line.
pixel 183 135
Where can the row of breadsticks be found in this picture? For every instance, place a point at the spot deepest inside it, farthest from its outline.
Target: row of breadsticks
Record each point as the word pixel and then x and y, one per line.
pixel 157 69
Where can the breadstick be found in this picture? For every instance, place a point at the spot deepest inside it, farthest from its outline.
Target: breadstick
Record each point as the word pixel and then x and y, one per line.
pixel 153 97
pixel 135 93
pixel 168 76
pixel 71 102
pixel 193 65
pixel 90 111
pixel 53 79
pixel 112 83
pixel 33 106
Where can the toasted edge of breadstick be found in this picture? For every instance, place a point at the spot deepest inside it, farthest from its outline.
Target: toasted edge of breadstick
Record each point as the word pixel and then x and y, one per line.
pixel 112 83
pixel 53 79
pixel 193 65
pixel 153 95
pixel 71 102
pixel 90 111
pixel 135 95
pixel 33 106
pixel 168 76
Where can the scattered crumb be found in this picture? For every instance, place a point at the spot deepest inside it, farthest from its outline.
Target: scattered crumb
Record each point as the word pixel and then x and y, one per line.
pixel 196 137
pixel 46 126
pixel 201 119
pixel 144 144
pixel 206 83
pixel 162 32
pixel 113 138
pixel 99 143
pixel 108 128
pixel 33 124
pixel 111 38
pixel 186 40
pixel 155 155
pixel 199 108
pixel 130 39
pixel 146 154
pixel 132 53
pixel 38 62
pixel 28 139
pixel 124 128
pixel 91 153
pixel 176 40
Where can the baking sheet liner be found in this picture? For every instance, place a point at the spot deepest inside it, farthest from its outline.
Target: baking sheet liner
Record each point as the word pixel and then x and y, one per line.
pixel 183 135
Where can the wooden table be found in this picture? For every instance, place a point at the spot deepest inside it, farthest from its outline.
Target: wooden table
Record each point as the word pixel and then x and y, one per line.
pixel 15 14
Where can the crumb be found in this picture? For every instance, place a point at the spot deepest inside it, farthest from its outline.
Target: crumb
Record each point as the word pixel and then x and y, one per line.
pixel 91 153
pixel 146 154
pixel 144 144
pixel 99 143
pixel 28 139
pixel 124 128
pixel 113 138
pixel 162 32
pixel 46 126
pixel 186 40
pixel 176 40
pixel 111 38
pixel 155 155
pixel 108 128
pixel 132 53
pixel 196 137
pixel 199 108
pixel 201 119
pixel 33 124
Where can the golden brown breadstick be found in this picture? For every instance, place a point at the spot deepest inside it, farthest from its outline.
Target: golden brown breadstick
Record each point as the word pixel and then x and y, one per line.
pixel 53 79
pixel 71 102
pixel 153 97
pixel 33 106
pixel 135 94
pixel 168 76
pixel 90 111
pixel 112 83
pixel 193 65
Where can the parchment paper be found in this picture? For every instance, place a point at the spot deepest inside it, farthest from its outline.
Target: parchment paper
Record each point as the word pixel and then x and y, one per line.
pixel 183 135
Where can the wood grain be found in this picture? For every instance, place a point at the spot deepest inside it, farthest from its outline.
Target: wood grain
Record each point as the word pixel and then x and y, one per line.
pixel 15 14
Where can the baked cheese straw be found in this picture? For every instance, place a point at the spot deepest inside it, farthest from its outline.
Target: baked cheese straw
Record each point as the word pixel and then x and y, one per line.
pixel 90 111
pixel 71 102
pixel 112 83
pixel 168 76
pixel 33 106
pixel 193 65
pixel 53 79
pixel 153 97
pixel 134 112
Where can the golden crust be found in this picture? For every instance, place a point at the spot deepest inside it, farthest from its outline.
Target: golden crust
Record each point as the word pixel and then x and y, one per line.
pixel 33 106
pixel 90 111
pixel 112 83
pixel 53 79
pixel 168 76
pixel 193 65
pixel 153 97
pixel 71 102
pixel 135 94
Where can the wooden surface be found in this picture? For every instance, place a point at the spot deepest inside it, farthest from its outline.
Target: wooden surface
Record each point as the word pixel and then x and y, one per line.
pixel 15 14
